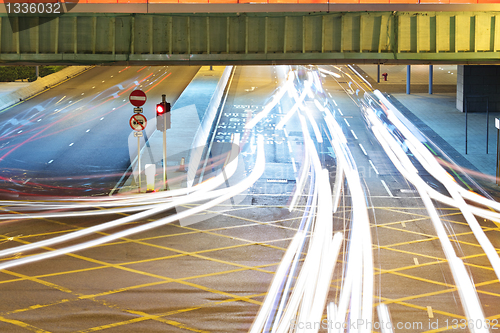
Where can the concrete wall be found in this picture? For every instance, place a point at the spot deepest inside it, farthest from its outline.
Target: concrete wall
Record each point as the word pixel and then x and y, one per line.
pixel 478 85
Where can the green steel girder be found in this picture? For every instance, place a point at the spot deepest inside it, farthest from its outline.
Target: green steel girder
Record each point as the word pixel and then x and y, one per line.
pixel 253 38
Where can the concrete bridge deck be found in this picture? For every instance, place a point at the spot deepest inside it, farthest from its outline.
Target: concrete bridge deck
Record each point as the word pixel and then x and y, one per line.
pixel 294 37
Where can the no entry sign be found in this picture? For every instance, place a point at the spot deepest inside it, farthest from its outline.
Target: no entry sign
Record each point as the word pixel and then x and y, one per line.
pixel 137 98
pixel 138 122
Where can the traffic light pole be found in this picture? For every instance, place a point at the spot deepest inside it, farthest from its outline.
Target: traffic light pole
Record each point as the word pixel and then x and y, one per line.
pixel 165 155
pixel 163 99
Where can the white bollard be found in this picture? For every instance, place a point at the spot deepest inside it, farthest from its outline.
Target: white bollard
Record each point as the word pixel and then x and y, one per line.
pixel 150 171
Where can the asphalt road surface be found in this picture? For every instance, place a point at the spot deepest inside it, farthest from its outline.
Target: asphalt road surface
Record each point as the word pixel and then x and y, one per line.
pixel 213 276
pixel 73 139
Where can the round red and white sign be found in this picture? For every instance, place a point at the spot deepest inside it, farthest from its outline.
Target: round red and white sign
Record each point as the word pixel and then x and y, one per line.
pixel 138 122
pixel 137 98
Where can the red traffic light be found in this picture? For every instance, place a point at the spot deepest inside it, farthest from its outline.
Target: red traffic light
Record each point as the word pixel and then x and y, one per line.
pixel 160 109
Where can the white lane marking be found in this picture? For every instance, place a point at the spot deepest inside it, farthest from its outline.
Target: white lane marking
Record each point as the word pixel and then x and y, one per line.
pixel 334 102
pixel 88 130
pixel 72 143
pixel 405 190
pixel 373 166
pixel 340 111
pixel 354 134
pixel 286 132
pixel 387 188
pixel 289 147
pixel 363 149
pixel 349 125
pixel 293 165
pixel 51 161
pixel 416 261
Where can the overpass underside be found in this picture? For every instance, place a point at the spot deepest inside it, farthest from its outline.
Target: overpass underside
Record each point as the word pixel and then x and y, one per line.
pixel 253 38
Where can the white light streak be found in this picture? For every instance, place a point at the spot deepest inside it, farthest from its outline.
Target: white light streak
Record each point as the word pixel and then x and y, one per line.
pixel 226 193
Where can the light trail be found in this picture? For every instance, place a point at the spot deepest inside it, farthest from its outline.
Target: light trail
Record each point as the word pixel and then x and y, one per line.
pixel 120 201
pixel 202 191
pixel 360 250
pixel 457 192
pixel 394 150
pixel 276 98
pixel 126 206
pixel 398 137
pixel 223 195
pixel 308 297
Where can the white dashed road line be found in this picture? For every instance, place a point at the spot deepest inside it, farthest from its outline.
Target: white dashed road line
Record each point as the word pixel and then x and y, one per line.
pixel 373 166
pixel 386 188
pixel 363 149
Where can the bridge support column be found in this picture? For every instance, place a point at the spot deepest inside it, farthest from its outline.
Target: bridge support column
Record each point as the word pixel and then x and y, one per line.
pixel 476 84
pixel 408 78
pixel 431 73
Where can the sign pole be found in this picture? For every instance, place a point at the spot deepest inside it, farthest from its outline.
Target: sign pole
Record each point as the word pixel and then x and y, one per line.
pixel 138 135
pixel 139 159
pixel 163 99
pixel 138 123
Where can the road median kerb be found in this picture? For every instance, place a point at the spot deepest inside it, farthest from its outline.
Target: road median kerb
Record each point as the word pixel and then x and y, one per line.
pixel 41 85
